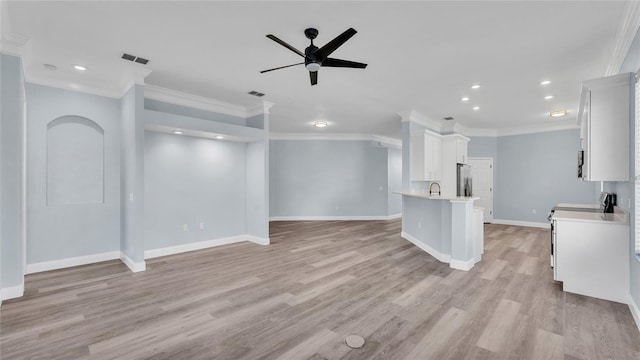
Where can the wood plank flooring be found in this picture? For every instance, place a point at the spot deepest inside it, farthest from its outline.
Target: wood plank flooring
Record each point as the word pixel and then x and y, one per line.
pixel 301 296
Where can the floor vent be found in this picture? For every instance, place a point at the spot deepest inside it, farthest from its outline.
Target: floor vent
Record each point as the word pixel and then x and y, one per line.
pixel 448 118
pixel 354 341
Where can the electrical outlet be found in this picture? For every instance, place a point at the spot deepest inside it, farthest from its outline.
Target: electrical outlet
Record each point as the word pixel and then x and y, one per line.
pixel 337 207
pixel 533 211
pixel 201 226
pixel 419 225
pixel 380 188
pixel 185 227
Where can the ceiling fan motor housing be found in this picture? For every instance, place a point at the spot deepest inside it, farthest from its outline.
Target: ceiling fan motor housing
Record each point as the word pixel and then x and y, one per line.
pixel 310 56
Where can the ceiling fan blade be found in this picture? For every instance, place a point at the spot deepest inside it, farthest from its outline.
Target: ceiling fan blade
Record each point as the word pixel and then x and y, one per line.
pixel 331 62
pixel 332 45
pixel 274 38
pixel 314 77
pixel 281 67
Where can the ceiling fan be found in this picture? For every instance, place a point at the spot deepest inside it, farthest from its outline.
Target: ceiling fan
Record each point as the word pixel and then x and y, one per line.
pixel 315 57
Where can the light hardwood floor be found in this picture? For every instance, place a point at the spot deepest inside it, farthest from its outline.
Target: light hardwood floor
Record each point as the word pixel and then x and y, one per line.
pixel 301 296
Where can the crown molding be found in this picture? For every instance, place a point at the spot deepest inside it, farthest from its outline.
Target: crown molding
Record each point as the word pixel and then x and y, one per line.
pixel 420 119
pixel 382 140
pixel 564 125
pixel 86 87
pixel 13 44
pixel 626 33
pixel 259 109
pixel 181 98
pixel 387 141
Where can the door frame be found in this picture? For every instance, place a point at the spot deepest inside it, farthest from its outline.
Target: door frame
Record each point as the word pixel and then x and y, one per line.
pixel 488 217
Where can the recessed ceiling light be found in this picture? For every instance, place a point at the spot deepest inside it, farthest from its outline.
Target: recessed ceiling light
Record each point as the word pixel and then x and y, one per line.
pixel 219 137
pixel 476 86
pixel 548 97
pixel 177 132
pixel 50 67
pixel 465 99
pixel 545 82
pixel 79 67
pixel 320 124
pixel 476 108
pixel 558 113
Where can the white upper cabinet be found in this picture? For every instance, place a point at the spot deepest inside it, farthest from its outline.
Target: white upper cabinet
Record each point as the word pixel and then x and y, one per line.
pixel 604 117
pixel 461 150
pixel 454 151
pixel 426 156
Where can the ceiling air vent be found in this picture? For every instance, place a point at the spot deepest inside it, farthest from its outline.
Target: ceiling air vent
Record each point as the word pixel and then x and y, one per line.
pixel 255 93
pixel 134 58
pixel 448 118
pixel 142 61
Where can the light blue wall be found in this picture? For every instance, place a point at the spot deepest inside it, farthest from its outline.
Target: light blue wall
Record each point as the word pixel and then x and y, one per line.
pixel 327 178
pixel 483 146
pixel 191 180
pixel 12 114
pixel 132 174
pixel 77 228
pixel 192 112
pixel 538 171
pixel 394 173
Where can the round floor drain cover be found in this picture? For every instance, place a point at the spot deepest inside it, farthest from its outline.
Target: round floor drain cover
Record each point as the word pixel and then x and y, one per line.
pixel 354 341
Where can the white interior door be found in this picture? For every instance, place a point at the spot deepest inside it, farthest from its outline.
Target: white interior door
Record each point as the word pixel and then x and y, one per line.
pixel 482 182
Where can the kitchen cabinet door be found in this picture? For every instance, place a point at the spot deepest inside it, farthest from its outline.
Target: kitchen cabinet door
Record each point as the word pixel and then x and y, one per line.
pixel 592 258
pixel 604 117
pixel 426 157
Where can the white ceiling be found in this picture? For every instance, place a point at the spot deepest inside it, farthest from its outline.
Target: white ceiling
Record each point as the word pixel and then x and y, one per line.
pixel 422 56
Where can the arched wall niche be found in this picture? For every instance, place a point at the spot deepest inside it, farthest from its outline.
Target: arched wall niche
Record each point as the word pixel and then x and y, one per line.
pixel 75 161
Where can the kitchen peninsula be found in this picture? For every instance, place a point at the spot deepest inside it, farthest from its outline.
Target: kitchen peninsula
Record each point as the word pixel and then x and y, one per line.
pixel 446 226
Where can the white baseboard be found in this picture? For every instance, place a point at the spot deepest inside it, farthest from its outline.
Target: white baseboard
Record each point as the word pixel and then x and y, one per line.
pixel 70 262
pixel 521 223
pixel 428 249
pixel 462 265
pixel 13 292
pixel 132 265
pixel 635 311
pixel 257 240
pixel 335 218
pixel 178 249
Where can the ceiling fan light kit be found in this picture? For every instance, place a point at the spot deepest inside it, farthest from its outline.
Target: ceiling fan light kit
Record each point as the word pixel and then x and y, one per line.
pixel 315 58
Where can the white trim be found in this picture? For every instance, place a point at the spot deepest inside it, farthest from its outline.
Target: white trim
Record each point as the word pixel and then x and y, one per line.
pixel 635 311
pixel 193 101
pixel 178 249
pixel 257 240
pixel 626 33
pixel 13 44
pixel 462 265
pixel 382 140
pixel 261 108
pixel 70 262
pixel 334 218
pixel 428 249
pixel 132 265
pixel 13 292
pixel 543 225
pixel 420 119
pixel 98 89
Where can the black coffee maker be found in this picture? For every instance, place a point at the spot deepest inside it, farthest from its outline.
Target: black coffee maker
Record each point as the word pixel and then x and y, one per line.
pixel 607 202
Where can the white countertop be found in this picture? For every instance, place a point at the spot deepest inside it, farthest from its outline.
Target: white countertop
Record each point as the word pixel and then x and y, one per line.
pixel 438 197
pixel 619 216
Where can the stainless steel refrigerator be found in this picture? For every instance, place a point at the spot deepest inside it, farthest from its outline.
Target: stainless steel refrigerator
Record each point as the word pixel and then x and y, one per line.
pixel 464 180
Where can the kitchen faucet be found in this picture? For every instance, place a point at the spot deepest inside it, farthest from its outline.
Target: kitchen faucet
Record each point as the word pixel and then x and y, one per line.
pixel 434 183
